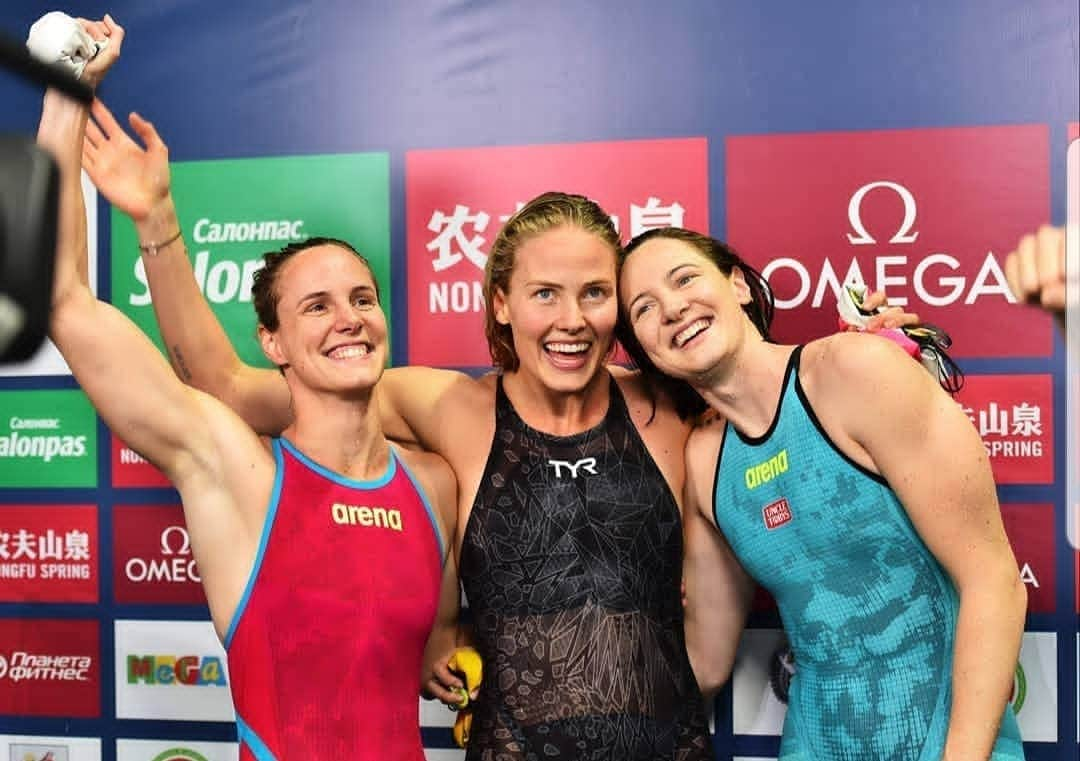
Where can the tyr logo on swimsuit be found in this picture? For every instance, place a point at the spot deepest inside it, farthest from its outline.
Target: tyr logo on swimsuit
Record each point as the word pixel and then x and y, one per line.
pixel 588 465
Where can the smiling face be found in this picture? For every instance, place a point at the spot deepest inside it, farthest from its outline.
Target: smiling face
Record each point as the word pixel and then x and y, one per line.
pixel 560 306
pixel 685 313
pixel 331 330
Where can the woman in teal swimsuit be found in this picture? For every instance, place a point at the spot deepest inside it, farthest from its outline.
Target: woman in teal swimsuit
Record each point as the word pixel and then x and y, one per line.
pixel 854 489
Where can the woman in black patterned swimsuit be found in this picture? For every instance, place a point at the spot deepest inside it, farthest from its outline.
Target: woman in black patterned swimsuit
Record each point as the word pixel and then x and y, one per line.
pixel 571 563
pixel 571 542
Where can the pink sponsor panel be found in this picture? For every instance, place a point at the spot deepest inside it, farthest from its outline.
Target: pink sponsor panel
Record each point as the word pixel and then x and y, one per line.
pixel 927 215
pixel 48 553
pixel 457 200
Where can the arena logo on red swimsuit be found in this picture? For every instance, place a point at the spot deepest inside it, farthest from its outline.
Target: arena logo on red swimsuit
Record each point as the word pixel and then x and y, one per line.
pixel 152 559
pixel 1031 532
pixel 1014 415
pixel 457 201
pixel 927 215
pixel 50 668
pixel 48 553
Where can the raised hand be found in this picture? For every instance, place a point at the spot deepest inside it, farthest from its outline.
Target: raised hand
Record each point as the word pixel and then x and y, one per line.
pixel 113 34
pixel 891 317
pixel 133 178
pixel 1036 269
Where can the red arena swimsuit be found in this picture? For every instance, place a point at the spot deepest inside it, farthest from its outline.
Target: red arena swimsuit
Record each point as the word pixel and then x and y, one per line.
pixel 325 647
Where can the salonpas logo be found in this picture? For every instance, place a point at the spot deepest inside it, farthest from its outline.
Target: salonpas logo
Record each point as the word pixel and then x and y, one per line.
pixel 47 438
pixel 179 754
pixel 232 212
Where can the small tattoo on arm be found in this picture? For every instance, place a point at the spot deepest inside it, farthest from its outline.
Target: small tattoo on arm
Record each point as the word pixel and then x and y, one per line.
pixel 181 365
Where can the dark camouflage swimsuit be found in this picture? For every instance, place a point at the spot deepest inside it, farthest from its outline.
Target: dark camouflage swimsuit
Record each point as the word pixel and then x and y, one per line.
pixel 571 564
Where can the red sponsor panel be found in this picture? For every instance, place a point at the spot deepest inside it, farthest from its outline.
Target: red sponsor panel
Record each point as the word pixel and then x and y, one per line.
pixel 1014 415
pixel 928 215
pixel 50 668
pixel 152 558
pixel 1031 533
pixel 457 200
pixel 130 469
pixel 48 553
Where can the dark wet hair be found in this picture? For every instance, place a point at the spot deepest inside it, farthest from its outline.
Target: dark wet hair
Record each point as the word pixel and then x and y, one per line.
pixel 264 293
pixel 760 309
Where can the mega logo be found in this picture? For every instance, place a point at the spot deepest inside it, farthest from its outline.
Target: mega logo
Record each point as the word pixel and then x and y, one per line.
pixel 233 212
pixel 47 437
pixel 49 668
pixel 457 201
pixel 926 215
pixel 152 561
pixel 48 553
pixel 171 670
pixel 1031 533
pixel 1014 415
pixel 129 468
pixel 190 670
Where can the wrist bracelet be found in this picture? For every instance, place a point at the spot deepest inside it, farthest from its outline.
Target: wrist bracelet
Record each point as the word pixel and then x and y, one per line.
pixel 153 248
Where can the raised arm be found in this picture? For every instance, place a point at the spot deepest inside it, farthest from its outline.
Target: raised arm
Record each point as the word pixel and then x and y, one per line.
pixel 109 356
pixel 718 590
pixel 909 428
pixel 135 179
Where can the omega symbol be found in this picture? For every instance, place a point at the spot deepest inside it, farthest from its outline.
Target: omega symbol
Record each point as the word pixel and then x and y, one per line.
pixel 861 237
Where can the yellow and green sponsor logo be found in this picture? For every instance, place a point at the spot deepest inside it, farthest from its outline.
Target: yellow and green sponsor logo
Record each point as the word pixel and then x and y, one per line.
pixel 763 472
pixel 234 211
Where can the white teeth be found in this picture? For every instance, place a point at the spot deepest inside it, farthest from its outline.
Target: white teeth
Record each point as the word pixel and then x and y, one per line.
pixel 690 331
pixel 349 352
pixel 564 348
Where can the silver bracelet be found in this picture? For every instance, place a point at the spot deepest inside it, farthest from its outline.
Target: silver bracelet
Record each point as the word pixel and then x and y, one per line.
pixel 153 248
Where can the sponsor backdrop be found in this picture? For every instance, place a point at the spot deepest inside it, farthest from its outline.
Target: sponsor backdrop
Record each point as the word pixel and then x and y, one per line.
pixel 907 146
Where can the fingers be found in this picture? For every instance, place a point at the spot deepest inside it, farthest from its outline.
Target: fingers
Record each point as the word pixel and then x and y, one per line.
pixel 114 32
pixel 892 317
pixel 437 690
pixel 446 677
pixel 1028 268
pixel 94 135
pixel 103 116
pixel 97 30
pixel 1050 262
pixel 89 158
pixel 875 300
pixel 1035 271
pixel 146 132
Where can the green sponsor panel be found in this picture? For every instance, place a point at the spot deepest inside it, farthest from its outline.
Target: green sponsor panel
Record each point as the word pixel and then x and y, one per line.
pixel 47 439
pixel 233 211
